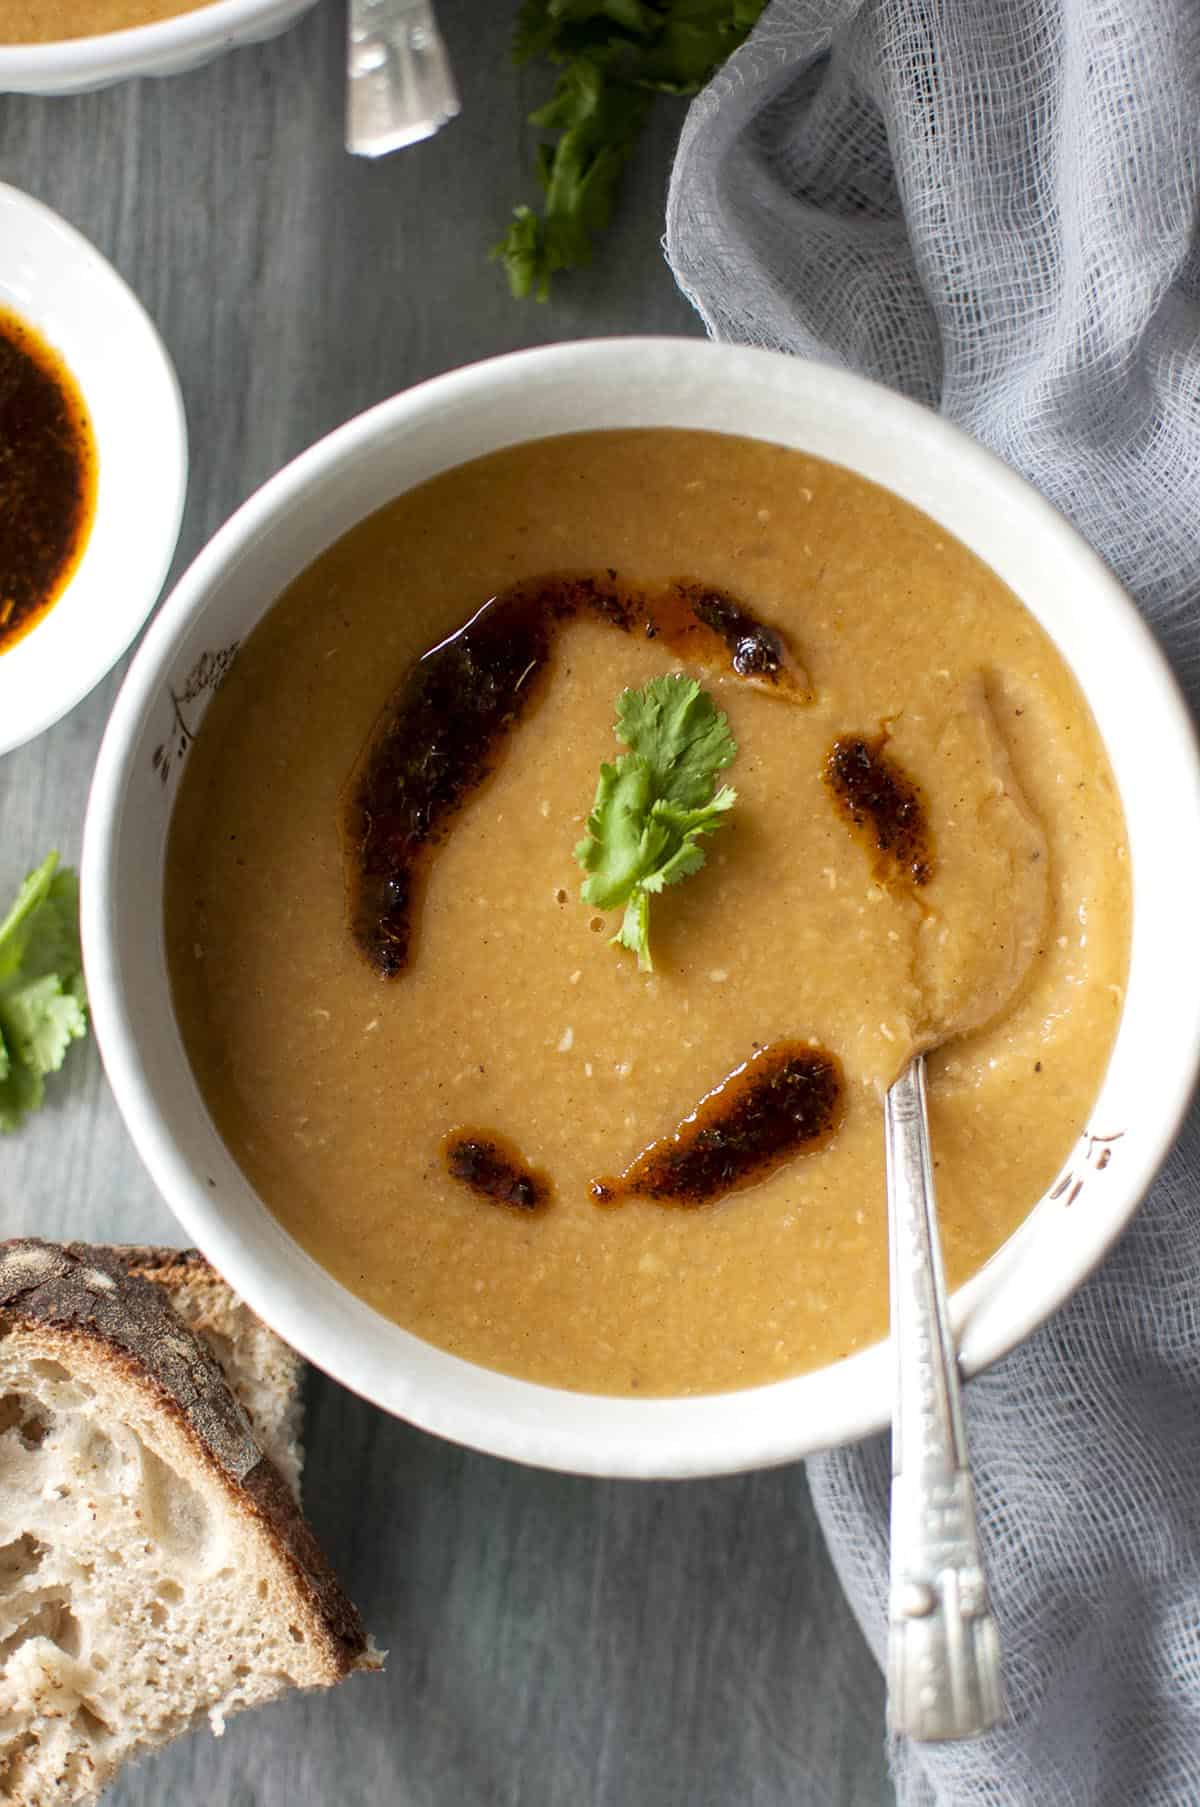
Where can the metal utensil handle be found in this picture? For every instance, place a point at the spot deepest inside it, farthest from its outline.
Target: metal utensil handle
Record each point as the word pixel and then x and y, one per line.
pixel 943 1647
pixel 399 84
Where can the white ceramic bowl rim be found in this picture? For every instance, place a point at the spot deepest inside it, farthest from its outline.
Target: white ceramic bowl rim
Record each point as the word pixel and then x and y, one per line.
pixel 139 48
pixel 56 280
pixel 680 382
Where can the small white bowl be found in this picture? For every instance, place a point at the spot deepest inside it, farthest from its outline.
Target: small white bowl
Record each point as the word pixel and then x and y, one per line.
pixel 165 48
pixel 61 286
pixel 564 389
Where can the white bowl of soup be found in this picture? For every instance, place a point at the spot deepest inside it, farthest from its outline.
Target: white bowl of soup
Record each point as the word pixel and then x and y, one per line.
pixel 381 1054
pixel 69 46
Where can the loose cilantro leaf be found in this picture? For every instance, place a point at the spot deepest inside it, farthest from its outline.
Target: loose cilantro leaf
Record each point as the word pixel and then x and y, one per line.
pixel 614 55
pixel 17 926
pixel 43 1006
pixel 653 805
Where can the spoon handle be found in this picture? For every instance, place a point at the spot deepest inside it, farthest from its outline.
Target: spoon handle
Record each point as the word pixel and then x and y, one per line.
pixel 943 1647
pixel 399 84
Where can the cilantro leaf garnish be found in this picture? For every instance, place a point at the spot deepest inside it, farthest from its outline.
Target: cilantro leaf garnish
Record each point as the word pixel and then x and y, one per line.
pixel 654 804
pixel 614 55
pixel 43 1006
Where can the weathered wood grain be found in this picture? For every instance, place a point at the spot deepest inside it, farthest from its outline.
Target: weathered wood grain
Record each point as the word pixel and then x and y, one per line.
pixel 552 1640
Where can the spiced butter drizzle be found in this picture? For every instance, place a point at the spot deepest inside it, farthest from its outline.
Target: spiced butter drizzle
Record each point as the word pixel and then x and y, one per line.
pixel 877 796
pixel 446 725
pixel 488 1165
pixel 786 1100
pixel 47 477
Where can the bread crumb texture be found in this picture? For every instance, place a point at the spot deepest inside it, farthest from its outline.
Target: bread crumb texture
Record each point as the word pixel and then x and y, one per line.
pixel 154 1569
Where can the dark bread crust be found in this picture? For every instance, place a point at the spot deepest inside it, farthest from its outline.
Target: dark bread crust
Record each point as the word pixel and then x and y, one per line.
pixel 151 1258
pixel 172 1270
pixel 96 1301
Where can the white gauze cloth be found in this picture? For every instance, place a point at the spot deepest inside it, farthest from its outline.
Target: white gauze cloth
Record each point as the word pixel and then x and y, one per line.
pixel 993 206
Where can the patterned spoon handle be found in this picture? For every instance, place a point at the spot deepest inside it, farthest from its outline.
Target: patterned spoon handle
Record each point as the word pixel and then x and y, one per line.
pixel 943 1648
pixel 399 84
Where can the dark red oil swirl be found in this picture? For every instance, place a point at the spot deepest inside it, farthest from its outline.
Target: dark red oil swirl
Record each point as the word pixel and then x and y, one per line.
pixel 784 1101
pixel 47 478
pixel 882 802
pixel 446 726
pixel 488 1165
pixel 692 612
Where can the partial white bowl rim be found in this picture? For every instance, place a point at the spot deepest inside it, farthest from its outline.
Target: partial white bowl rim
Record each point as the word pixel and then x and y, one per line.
pixel 121 623
pixel 719 1433
pixel 138 48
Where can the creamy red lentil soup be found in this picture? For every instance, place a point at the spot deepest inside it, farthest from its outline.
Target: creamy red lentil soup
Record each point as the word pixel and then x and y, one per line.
pixel 652 1168
pixel 53 21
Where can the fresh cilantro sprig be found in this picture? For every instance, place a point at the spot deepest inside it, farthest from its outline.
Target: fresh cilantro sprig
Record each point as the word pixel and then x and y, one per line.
pixel 614 55
pixel 43 1005
pixel 655 803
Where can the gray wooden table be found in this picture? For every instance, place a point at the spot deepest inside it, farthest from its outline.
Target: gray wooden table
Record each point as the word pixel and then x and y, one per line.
pixel 552 1640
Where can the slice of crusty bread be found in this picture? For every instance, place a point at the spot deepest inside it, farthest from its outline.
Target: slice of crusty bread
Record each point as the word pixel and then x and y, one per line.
pixel 154 1567
pixel 263 1371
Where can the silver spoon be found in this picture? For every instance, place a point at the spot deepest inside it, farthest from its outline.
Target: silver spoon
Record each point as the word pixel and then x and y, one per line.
pixel 399 84
pixel 943 1646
